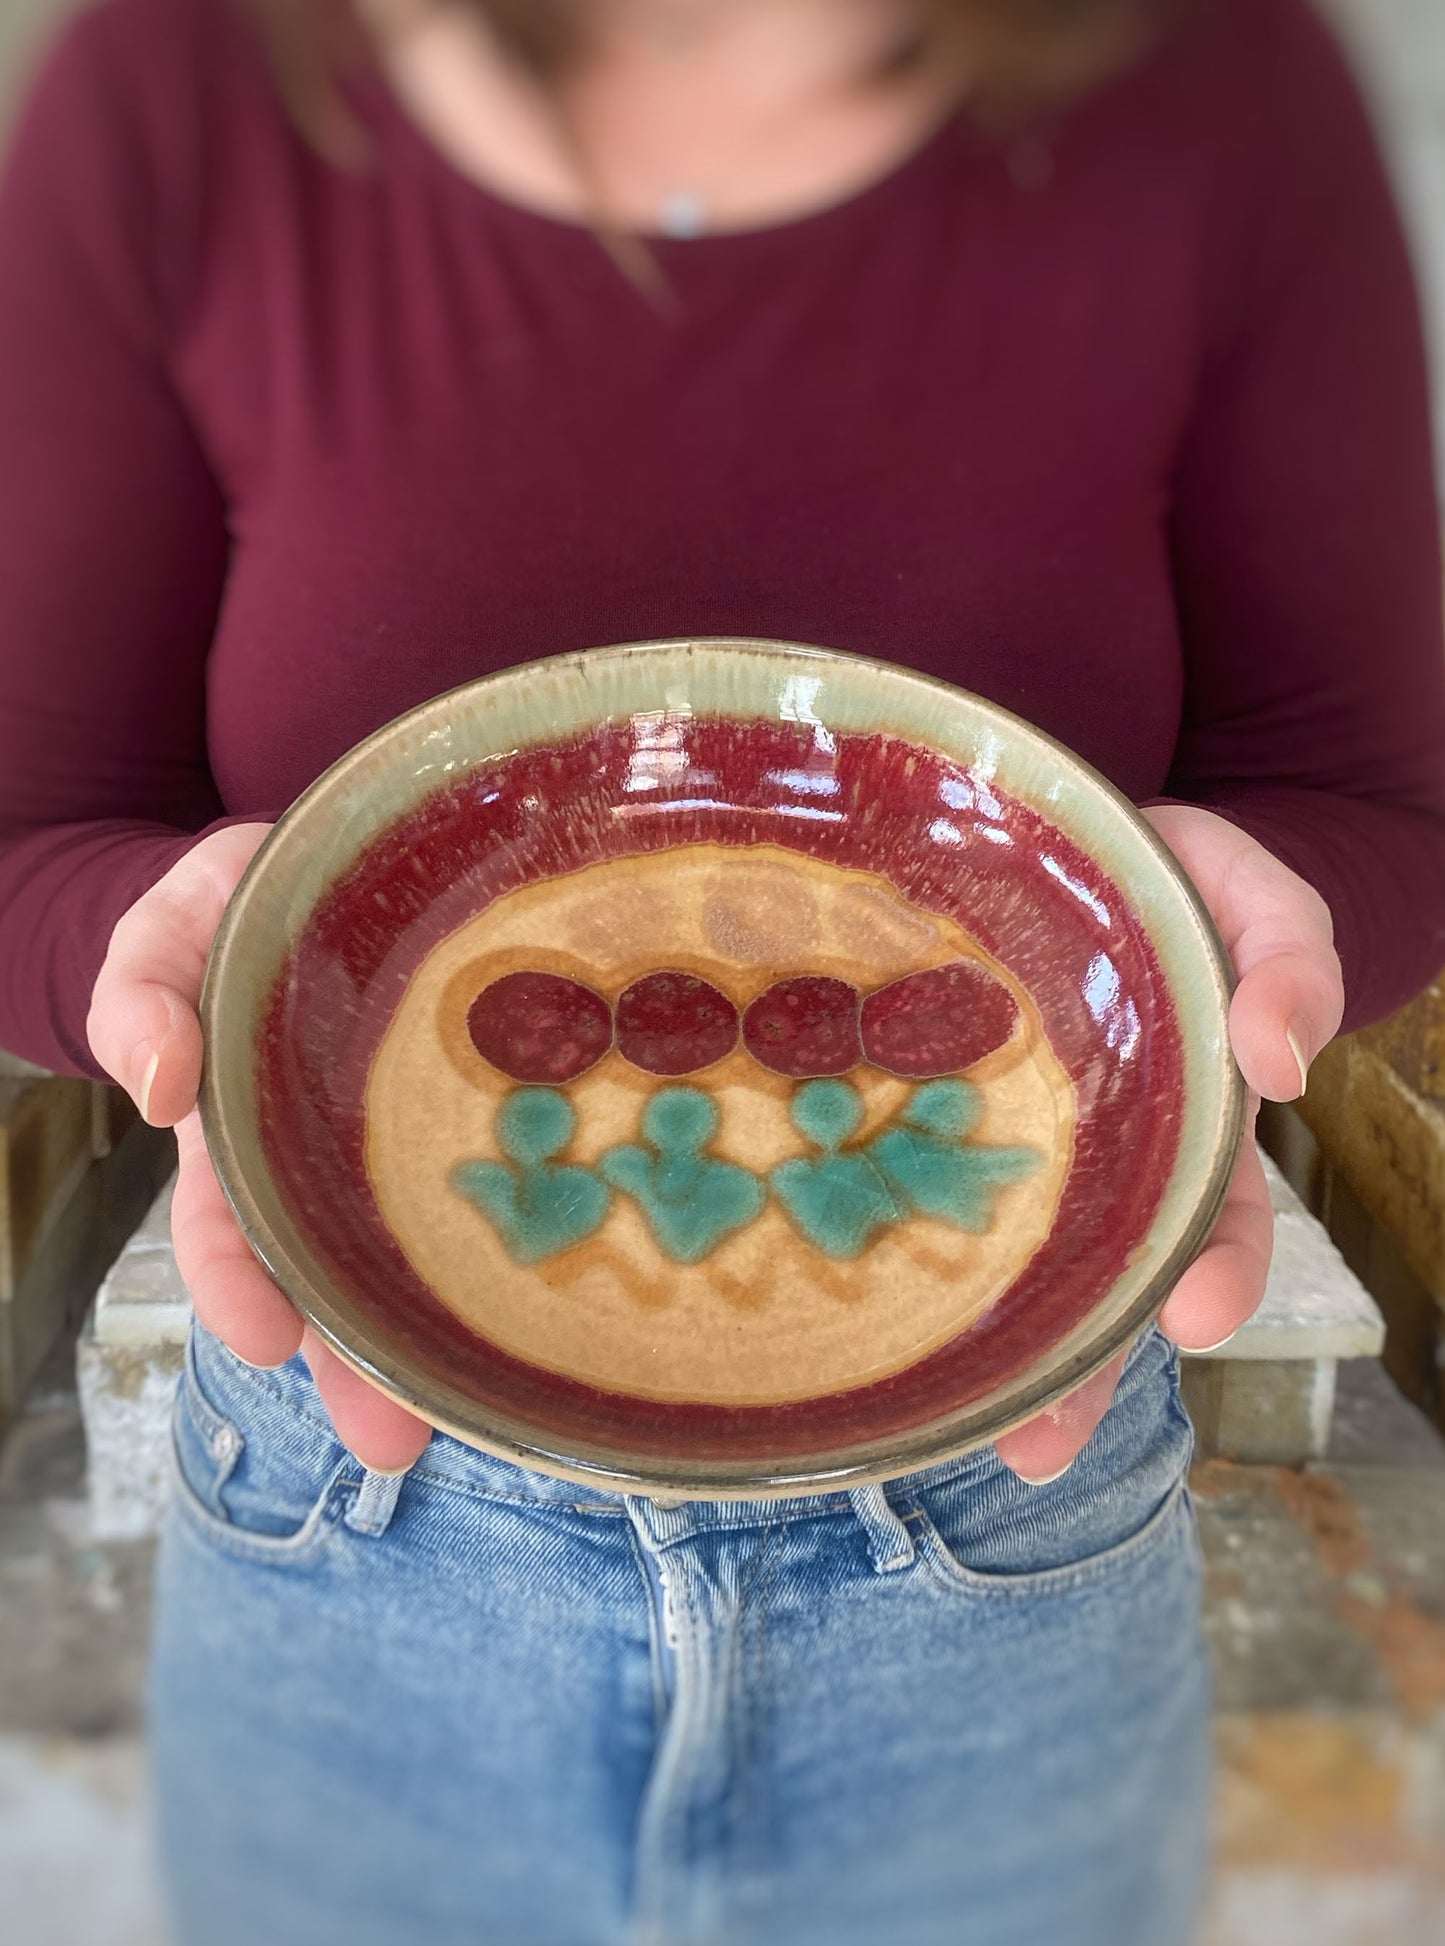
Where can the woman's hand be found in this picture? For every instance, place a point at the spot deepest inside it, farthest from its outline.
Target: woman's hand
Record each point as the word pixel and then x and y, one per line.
pixel 145 1031
pixel 1286 1007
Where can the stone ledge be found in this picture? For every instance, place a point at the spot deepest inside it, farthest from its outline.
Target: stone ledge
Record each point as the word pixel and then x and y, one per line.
pixel 1314 1305
pixel 1268 1395
pixel 142 1301
pixel 127 1363
pixel 14 1067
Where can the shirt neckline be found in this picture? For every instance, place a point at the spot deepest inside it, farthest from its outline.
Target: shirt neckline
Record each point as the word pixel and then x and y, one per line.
pixel 375 94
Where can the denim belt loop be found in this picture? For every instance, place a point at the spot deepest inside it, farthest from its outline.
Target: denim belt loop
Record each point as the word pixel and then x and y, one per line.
pixel 375 1503
pixel 890 1545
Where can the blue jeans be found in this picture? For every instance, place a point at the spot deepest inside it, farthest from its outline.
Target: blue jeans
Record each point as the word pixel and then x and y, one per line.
pixel 482 1706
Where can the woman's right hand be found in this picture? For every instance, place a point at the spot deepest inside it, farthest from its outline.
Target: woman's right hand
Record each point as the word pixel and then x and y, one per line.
pixel 145 1030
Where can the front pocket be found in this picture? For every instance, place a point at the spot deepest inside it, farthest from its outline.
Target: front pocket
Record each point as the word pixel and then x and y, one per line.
pixel 318 1525
pixel 1171 1520
pixel 251 1474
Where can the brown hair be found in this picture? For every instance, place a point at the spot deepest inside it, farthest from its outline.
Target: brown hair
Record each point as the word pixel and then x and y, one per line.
pixel 1031 43
pixel 1027 54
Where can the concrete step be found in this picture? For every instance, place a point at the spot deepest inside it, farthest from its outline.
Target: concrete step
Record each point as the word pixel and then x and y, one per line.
pixel 1268 1395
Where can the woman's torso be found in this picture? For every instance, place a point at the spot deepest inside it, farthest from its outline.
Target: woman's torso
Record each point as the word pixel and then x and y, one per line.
pixel 936 423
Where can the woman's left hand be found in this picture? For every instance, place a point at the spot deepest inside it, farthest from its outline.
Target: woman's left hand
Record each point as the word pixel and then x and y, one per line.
pixel 1286 1007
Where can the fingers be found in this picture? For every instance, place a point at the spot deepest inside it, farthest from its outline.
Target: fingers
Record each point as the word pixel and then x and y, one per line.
pixel 145 1032
pixel 233 1296
pixel 1041 1450
pixel 1219 1292
pixel 1278 932
pixel 1223 1287
pixel 382 1434
pixel 1286 1007
pixel 1290 994
pixel 237 1302
pixel 143 1028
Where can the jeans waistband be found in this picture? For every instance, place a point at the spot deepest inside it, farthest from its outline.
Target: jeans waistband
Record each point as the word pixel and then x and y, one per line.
pixel 451 1462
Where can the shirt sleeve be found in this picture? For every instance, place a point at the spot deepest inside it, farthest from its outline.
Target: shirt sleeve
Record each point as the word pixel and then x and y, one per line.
pixel 113 540
pixel 1306 534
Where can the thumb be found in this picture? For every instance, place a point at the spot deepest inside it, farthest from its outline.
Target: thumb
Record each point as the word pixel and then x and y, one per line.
pixel 1277 930
pixel 143 1026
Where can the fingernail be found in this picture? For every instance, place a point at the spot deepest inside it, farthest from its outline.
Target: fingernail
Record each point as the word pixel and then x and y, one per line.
pixel 391 1472
pixel 255 1364
pixel 1299 1055
pixel 147 1082
pixel 1043 1479
pixel 1203 1351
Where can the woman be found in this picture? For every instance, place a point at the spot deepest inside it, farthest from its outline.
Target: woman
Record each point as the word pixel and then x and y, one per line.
pixel 1067 352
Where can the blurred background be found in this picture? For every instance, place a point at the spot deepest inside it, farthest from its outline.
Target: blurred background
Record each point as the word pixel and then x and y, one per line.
pixel 1320 1479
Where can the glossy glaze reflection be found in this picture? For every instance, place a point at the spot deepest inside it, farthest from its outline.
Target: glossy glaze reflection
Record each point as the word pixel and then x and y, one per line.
pixel 639 1223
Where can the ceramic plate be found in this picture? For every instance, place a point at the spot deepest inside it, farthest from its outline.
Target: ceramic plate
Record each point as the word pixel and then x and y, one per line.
pixel 719 1067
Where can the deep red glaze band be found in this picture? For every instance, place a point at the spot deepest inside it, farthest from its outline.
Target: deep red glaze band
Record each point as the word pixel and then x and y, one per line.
pixel 944 837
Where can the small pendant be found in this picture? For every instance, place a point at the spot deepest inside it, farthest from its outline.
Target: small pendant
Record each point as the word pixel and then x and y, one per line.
pixel 682 214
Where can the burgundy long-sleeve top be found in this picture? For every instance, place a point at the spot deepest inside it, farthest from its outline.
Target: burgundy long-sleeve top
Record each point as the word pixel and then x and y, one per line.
pixel 1122 422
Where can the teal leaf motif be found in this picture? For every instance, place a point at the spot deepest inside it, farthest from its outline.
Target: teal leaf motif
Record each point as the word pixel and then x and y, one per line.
pixel 839 1198
pixel 929 1167
pixel 836 1200
pixel 538 1207
pixel 691 1200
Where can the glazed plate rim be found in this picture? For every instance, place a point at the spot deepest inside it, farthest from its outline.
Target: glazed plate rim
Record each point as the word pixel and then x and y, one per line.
pixel 229 1013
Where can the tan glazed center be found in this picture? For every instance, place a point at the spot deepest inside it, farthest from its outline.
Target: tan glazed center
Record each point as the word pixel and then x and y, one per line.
pixel 766 1317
